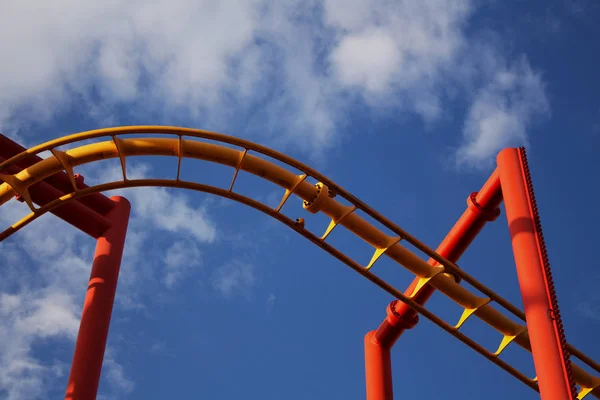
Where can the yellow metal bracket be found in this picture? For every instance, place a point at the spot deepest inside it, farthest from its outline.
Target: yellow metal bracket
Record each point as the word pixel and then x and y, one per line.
pixel 288 192
pixel 179 156
pixel 381 251
pixel 20 187
pixel 588 390
pixel 120 149
pixel 507 339
pixel 238 165
pixel 64 160
pixel 423 280
pixel 479 302
pixel 335 222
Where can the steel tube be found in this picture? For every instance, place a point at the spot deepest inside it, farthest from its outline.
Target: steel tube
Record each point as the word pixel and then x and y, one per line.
pixel 287 179
pixel 546 348
pixel 452 248
pixel 74 213
pixel 97 309
pixel 96 201
pixel 378 368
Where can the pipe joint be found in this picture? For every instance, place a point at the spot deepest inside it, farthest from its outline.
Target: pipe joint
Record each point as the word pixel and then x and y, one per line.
pixel 488 215
pixel 399 320
pixel 314 205
pixel 79 181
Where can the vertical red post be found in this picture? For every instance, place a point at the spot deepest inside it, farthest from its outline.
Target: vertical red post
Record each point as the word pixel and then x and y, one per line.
pixel 378 365
pixel 482 207
pixel 97 308
pixel 548 356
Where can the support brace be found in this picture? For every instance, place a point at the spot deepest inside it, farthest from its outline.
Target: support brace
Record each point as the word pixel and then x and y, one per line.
pixel 97 309
pixel 481 208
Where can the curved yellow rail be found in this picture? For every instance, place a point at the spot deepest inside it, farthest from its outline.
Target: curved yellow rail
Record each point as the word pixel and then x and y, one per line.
pixel 317 198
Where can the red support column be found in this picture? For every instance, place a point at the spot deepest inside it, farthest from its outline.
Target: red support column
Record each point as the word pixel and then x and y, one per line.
pixel 97 308
pixel 482 207
pixel 378 365
pixel 548 356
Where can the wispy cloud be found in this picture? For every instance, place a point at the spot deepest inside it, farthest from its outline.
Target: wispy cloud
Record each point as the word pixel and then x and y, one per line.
pixel 234 278
pixel 179 259
pixel 41 303
pixel 116 377
pixel 161 349
pixel 501 112
pixel 42 288
pixel 289 70
pixel 160 207
pixel 271 303
pixel 588 305
pixel 398 52
pixel 589 310
pixel 29 316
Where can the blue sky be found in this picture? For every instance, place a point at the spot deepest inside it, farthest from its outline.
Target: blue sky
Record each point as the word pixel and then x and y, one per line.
pixel 404 104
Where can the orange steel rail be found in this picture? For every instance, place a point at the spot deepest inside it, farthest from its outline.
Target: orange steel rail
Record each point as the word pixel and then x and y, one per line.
pixel 443 275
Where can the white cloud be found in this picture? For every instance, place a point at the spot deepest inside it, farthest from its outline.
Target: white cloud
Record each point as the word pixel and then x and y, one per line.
pixel 115 375
pixel 40 304
pixel 158 206
pixel 347 14
pixel 179 259
pixel 369 59
pixel 501 113
pixel 54 314
pixel 271 303
pixel 43 286
pixel 589 310
pixel 30 316
pixel 234 277
pixel 211 59
pixel 161 348
pixel 402 50
pixel 172 212
pixel 294 62
pixel 589 304
pixel 75 43
pixel 48 307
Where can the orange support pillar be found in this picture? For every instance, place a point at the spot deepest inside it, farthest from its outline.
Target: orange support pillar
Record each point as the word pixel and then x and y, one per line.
pixel 482 207
pixel 548 354
pixel 378 365
pixel 97 308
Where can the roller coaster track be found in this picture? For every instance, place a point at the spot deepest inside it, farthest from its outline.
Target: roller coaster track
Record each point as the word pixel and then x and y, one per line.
pixel 317 198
